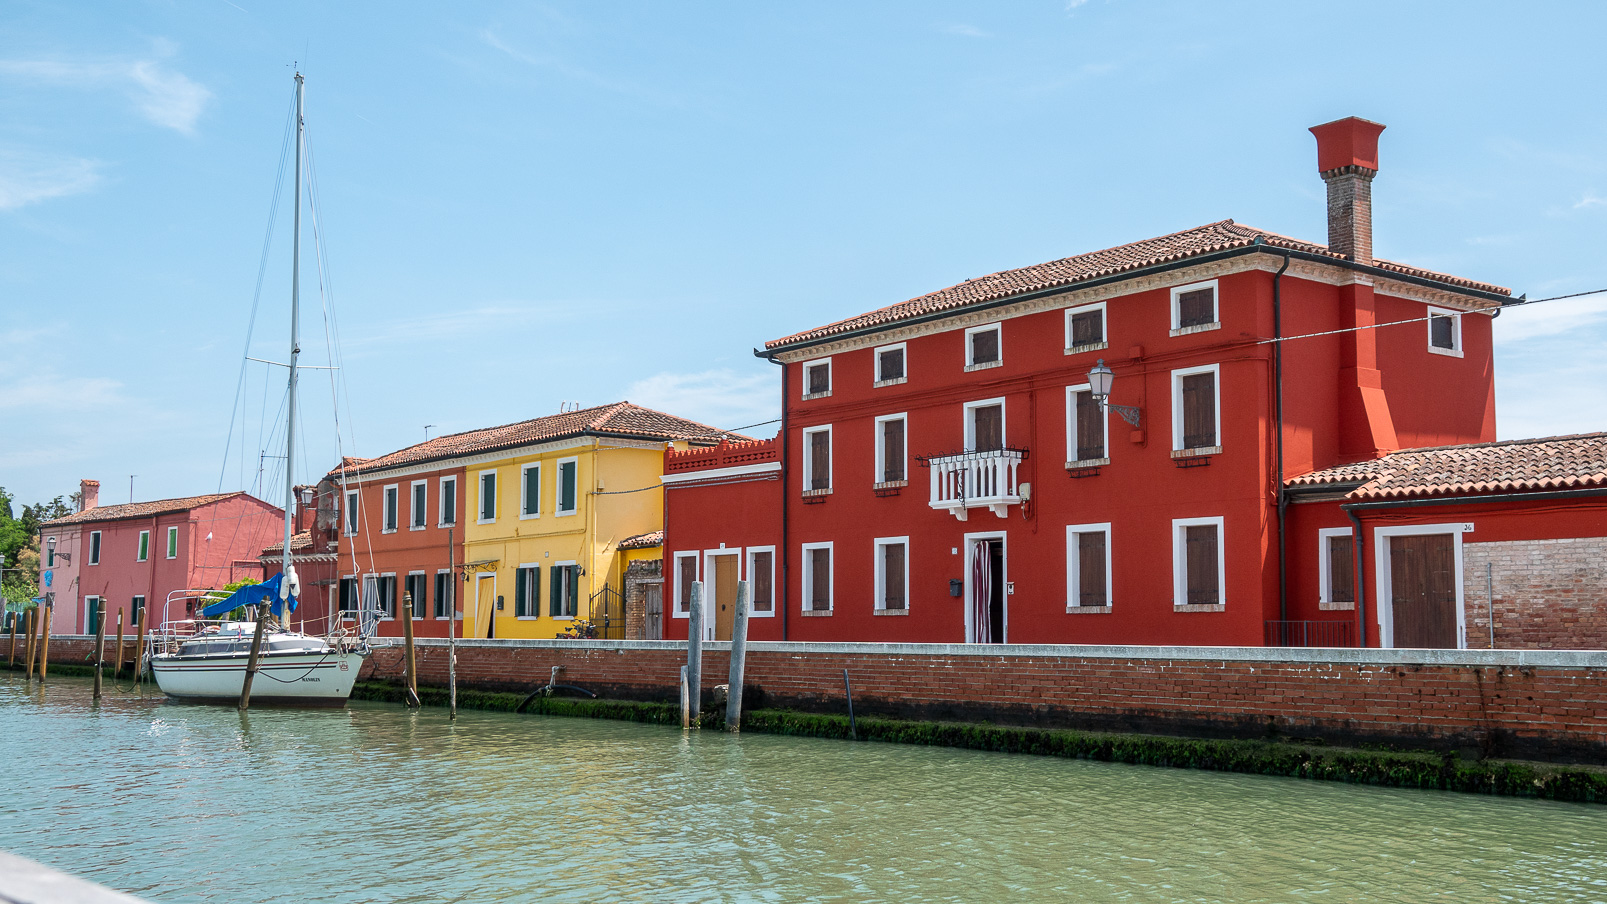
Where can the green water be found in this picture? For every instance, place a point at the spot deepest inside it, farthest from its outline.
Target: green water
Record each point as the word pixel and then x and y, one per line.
pixel 374 803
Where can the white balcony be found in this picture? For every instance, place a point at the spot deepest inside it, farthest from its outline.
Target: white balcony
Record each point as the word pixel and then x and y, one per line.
pixel 976 480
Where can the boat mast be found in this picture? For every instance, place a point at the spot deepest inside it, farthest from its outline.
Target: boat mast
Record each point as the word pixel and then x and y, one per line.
pixel 295 352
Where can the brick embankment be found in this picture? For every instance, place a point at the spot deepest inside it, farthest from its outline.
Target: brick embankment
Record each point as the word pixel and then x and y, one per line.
pixel 1538 705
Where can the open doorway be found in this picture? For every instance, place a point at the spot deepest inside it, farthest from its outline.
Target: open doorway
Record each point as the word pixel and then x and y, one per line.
pixel 986 573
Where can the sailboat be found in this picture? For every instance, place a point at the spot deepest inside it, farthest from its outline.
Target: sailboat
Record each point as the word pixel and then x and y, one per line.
pixel 239 660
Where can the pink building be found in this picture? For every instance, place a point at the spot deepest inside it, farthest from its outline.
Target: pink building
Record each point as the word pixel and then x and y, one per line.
pixel 134 555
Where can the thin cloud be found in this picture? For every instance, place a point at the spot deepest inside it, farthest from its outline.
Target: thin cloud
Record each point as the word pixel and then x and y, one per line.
pixel 1553 318
pixel 1590 200
pixel 162 95
pixel 721 398
pixel 964 31
pixel 577 73
pixel 30 178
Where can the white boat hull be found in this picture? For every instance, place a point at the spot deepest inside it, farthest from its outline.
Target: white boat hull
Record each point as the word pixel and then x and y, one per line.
pixel 288 677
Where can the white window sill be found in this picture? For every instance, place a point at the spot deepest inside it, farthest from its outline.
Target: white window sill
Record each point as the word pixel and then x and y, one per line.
pixel 971 368
pixel 893 382
pixel 526 617
pixel 768 613
pixel 1087 347
pixel 1197 452
pixel 417 526
pixel 1326 606
pixel 529 517
pixel 889 484
pixel 566 514
pixel 815 613
pixel 563 618
pixel 810 396
pixel 486 521
pixel 1088 610
pixel 169 558
pixel 1087 463
pixel 810 494
pixel 1197 328
pixel 890 612
pixel 447 524
pixel 388 530
pixel 1447 352
pixel 1200 607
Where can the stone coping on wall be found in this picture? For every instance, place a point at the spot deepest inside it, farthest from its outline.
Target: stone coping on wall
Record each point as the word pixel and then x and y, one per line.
pixel 1580 659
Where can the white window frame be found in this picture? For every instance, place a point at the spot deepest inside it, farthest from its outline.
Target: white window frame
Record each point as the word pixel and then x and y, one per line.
pixel 1180 590
pixel 390 508
pixel 1074 568
pixel 1177 407
pixel 521 567
pixel 879 604
pixel 172 542
pixel 558 511
pixel 399 594
pixel 419 519
pixel 675 601
pixel 567 563
pixel 142 552
pixel 1216 308
pixel 50 552
pixel 1455 351
pixel 1325 589
pixel 396 595
pixel 90 602
pixel 747 569
pixel 881 445
pixel 876 364
pixel 447 519
pixel 816 362
pixel 1072 461
pixel 1104 328
pixel 807 581
pixel 524 490
pixel 354 512
pixel 479 497
pixel 349 614
pixel 809 459
pixel 94 548
pixel 435 605
pixel 971 365
pixel 1384 583
pixel 970 421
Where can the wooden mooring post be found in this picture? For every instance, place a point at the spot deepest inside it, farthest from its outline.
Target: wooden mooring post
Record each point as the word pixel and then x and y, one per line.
pixel 739 657
pixel 28 642
pixel 140 620
pixel 452 629
pixel 409 666
pixel 44 646
pixel 100 643
pixel 117 668
pixel 256 657
pixel 11 658
pixel 694 655
pixel 686 703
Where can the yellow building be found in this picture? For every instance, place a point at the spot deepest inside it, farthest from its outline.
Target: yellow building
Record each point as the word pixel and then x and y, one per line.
pixel 547 503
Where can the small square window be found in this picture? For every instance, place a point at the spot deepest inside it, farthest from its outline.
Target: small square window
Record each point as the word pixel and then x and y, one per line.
pixel 983 347
pixel 890 365
pixel 1085 328
pixel 1194 308
pixel 1444 332
pixel 817 379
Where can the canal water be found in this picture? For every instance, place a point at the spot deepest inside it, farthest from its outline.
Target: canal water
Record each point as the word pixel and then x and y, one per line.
pixel 371 803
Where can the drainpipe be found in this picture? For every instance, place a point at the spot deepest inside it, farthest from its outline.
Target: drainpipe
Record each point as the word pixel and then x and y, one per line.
pixel 786 554
pixel 1277 381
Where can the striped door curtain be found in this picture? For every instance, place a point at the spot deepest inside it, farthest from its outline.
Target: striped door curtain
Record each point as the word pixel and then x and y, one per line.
pixel 981 593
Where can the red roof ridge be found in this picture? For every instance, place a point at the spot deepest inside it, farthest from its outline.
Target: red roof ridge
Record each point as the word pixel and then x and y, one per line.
pixel 144 509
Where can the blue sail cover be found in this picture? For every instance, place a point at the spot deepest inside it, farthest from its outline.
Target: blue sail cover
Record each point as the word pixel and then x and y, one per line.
pixel 251 595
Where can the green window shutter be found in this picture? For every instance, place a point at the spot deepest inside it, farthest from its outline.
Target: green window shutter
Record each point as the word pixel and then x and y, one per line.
pixel 532 491
pixel 519 595
pixel 554 575
pixel 566 479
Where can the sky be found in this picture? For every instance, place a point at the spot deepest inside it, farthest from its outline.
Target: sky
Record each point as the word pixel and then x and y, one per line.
pixel 520 206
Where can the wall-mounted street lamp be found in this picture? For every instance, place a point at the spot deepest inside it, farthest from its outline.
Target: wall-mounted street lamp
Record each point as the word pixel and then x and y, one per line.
pixel 1099 381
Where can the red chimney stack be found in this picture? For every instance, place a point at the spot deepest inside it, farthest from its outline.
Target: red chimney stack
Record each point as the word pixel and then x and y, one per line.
pixel 1347 158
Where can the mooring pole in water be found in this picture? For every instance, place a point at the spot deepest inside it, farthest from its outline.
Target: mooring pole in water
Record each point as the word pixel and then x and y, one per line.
pixel 694 653
pixel 44 645
pixel 11 658
pixel 410 667
pixel 139 645
pixel 251 663
pixel 686 702
pixel 117 669
pixel 100 644
pixel 451 628
pixel 739 658
pixel 27 651
pixel 848 690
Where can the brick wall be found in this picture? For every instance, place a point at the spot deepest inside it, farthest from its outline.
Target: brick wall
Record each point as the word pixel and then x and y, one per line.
pixel 1527 704
pixel 1548 594
pixel 639 576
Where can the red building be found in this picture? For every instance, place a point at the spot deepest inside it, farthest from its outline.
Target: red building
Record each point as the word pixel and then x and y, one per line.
pixel 314 551
pixel 949 469
pixel 134 556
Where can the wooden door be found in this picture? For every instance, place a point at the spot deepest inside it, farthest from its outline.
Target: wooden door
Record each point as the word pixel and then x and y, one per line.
pixel 654 624
pixel 485 605
pixel 725 596
pixel 1422 576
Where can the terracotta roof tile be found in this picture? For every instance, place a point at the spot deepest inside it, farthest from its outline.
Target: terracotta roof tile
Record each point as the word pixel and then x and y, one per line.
pixel 618 419
pixel 142 509
pixel 648 540
pixel 1513 466
pixel 298 543
pixel 1068 271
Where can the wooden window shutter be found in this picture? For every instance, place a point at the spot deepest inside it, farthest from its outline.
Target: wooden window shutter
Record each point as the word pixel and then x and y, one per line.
pixel 1088 327
pixel 820 579
pixel 763 580
pixel 893 575
pixel 985 346
pixel 820 460
pixel 1442 331
pixel 1090 427
pixel 1341 570
pixel 893 450
pixel 988 427
pixel 1200 554
pixel 1196 308
pixel 1091 569
pixel 890 365
pixel 819 378
pixel 1199 411
pixel 688 566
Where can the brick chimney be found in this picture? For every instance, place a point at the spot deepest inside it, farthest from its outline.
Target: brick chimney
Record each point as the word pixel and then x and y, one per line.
pixel 88 494
pixel 1347 158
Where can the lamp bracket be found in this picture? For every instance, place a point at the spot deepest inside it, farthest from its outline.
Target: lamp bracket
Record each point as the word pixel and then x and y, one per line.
pixel 1130 413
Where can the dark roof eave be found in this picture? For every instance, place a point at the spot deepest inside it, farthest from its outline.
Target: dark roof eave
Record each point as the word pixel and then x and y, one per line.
pixel 601 434
pixel 770 352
